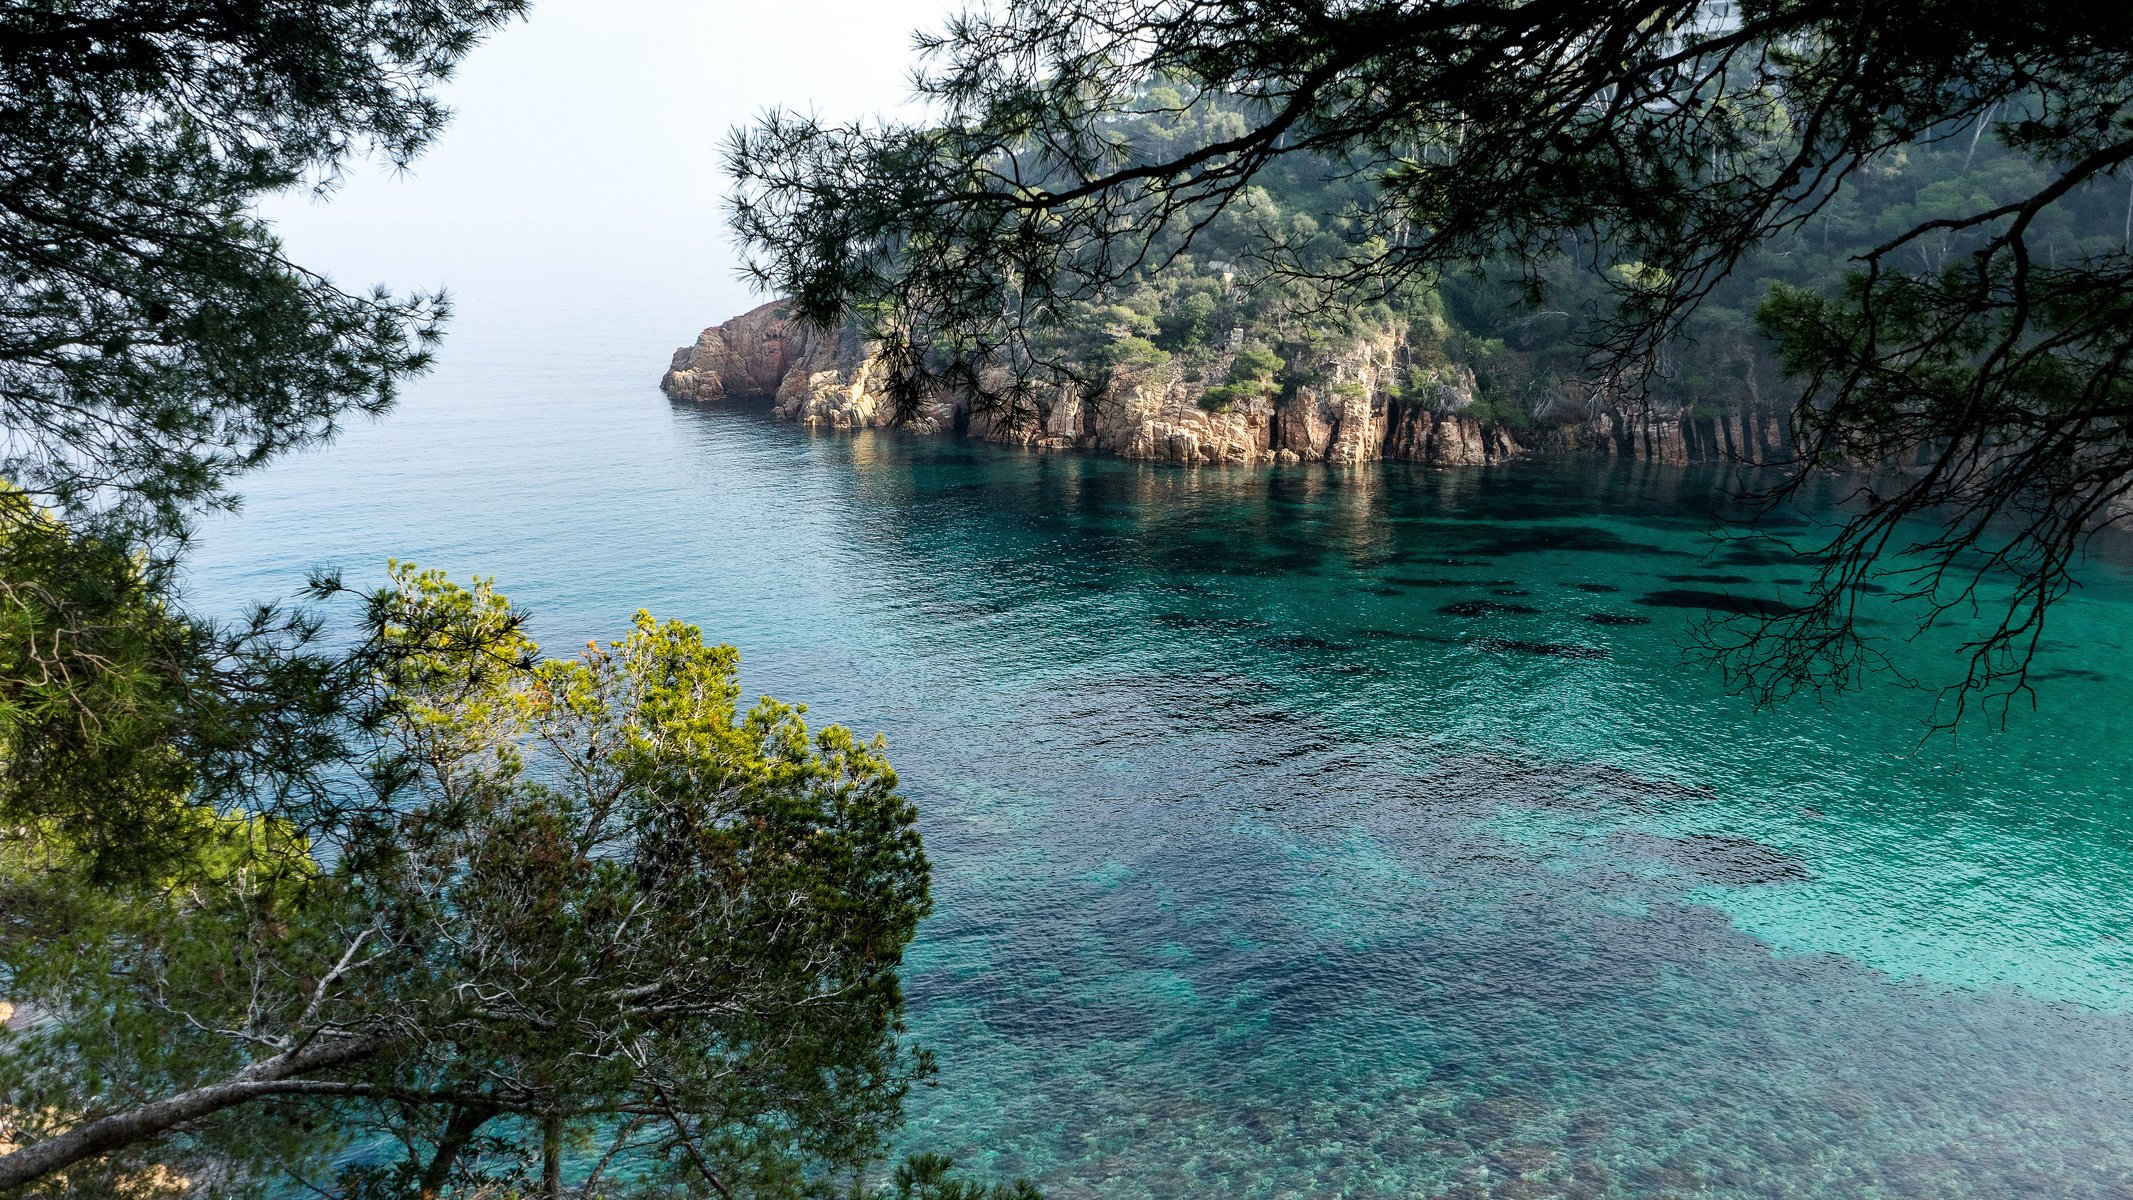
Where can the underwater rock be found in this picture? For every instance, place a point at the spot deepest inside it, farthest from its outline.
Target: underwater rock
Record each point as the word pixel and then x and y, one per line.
pixel 1548 649
pixel 1553 784
pixel 1617 619
pixel 1483 608
pixel 1522 1160
pixel 1175 620
pixel 1303 641
pixel 1409 635
pixel 1718 857
pixel 1593 539
pixel 1707 579
pixel 1414 581
pixel 2082 673
pixel 1759 556
pixel 1725 602
pixel 1588 1129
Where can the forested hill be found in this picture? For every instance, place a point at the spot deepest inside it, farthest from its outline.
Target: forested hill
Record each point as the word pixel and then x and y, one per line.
pixel 1214 350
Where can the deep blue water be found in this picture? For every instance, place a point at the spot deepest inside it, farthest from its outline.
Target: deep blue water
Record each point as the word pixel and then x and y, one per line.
pixel 1260 873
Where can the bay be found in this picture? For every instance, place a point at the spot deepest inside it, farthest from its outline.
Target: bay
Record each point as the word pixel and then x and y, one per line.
pixel 1332 832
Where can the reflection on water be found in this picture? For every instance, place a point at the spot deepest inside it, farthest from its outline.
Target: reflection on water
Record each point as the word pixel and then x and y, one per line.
pixel 1315 832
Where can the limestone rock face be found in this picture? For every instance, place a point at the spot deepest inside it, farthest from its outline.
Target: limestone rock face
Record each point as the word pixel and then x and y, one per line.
pixel 751 355
pixel 1344 424
pixel 834 397
pixel 1752 434
pixel 1362 403
pixel 1447 439
pixel 1156 417
pixel 827 380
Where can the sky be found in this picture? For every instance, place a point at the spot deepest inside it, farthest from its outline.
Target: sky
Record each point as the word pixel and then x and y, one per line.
pixel 584 155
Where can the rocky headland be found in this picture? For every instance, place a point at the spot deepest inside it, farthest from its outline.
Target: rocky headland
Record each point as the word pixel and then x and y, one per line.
pixel 1343 408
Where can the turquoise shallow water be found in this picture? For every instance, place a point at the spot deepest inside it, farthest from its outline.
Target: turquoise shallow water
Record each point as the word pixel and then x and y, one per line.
pixel 1270 865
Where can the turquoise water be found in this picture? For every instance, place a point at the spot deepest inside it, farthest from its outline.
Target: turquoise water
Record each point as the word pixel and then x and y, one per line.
pixel 1260 873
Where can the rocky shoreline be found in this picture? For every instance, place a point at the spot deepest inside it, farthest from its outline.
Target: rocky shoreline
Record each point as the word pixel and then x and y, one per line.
pixel 1343 412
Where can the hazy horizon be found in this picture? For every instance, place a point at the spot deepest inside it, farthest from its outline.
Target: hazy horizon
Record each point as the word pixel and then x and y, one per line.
pixel 582 163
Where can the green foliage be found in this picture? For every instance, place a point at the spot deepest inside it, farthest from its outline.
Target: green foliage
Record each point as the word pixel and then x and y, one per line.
pixel 111 969
pixel 1252 375
pixel 927 1177
pixel 1499 411
pixel 1118 321
pixel 91 682
pixel 156 341
pixel 118 715
pixel 1135 354
pixel 603 902
pixel 1641 277
pixel 1255 363
pixel 1189 322
pixel 754 883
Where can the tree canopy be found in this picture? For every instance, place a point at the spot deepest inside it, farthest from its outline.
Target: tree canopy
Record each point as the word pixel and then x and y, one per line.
pixel 155 343
pixel 154 340
pixel 1966 364
pixel 605 909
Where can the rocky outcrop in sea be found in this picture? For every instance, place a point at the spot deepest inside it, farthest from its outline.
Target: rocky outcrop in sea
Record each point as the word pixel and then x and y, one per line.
pixel 1346 409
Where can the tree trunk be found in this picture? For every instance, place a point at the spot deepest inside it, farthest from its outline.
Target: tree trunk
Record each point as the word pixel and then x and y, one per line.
pixel 552 1156
pixel 267 1077
pixel 460 1130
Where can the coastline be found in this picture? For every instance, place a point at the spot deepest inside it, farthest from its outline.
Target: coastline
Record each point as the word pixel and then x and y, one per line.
pixel 1345 409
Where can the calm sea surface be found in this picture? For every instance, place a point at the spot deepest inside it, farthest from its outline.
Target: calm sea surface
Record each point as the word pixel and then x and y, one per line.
pixel 1261 869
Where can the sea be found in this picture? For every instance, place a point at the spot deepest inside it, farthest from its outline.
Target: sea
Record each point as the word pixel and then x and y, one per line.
pixel 1307 831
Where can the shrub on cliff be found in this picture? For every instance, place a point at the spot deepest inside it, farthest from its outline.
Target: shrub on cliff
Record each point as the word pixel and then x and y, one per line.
pixel 1135 354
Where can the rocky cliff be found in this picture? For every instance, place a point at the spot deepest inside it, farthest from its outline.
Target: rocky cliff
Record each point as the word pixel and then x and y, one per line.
pixel 1346 409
